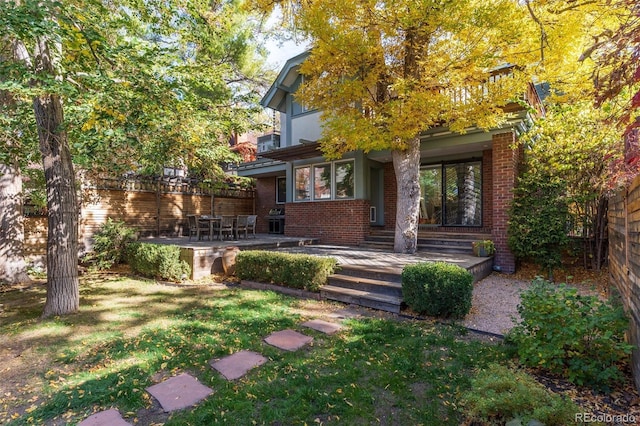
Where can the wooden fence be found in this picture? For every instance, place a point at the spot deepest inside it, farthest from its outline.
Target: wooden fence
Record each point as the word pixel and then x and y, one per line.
pixel 624 260
pixel 154 208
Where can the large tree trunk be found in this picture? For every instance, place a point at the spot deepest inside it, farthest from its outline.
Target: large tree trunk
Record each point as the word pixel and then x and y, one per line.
pixel 407 169
pixel 62 240
pixel 13 268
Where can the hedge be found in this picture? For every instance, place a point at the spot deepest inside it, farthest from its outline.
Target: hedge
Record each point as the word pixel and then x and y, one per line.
pixel 157 261
pixel 437 289
pixel 299 271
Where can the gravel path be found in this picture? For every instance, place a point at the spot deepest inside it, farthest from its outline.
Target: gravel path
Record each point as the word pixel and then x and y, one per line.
pixel 495 303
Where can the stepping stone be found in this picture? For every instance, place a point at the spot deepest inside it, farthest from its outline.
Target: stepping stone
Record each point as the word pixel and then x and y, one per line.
pixel 237 365
pixel 288 340
pixel 179 392
pixel 110 417
pixel 323 326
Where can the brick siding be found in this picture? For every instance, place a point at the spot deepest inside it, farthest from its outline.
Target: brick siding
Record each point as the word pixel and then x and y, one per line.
pixel 344 222
pixel 347 222
pixel 265 201
pixel 505 171
pixel 487 190
pixel 390 199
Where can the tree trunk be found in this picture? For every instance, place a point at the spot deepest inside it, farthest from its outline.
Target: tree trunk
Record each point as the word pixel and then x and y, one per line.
pixel 407 168
pixel 13 268
pixel 62 239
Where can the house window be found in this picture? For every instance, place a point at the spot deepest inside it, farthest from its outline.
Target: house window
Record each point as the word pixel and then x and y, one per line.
pixel 322 182
pixel 298 108
pixel 344 179
pixel 451 194
pixel 281 190
pixel 431 190
pixel 463 194
pixel 329 181
pixel 303 184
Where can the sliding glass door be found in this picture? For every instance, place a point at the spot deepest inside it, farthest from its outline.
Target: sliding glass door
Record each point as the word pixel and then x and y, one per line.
pixel 452 194
pixel 431 190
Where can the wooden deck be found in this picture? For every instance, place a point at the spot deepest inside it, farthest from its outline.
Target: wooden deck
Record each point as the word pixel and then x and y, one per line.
pixel 205 256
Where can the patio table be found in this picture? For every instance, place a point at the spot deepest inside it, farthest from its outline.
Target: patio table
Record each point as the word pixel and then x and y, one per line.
pixel 211 220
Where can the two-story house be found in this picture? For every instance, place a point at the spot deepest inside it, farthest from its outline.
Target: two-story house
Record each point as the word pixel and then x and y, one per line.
pixel 466 179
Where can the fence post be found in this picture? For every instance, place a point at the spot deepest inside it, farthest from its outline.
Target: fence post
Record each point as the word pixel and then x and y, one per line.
pixel 158 208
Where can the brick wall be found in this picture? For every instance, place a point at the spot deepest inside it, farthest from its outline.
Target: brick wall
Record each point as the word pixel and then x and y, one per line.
pixel 265 201
pixel 505 169
pixel 390 199
pixel 487 190
pixel 344 222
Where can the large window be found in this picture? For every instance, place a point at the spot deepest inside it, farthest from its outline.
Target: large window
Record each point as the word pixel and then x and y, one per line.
pixel 298 108
pixel 326 181
pixel 431 201
pixel 303 184
pixel 322 182
pixel 344 179
pixel 452 194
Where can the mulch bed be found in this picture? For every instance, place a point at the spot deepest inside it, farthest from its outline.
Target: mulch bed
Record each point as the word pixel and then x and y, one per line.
pixel 623 398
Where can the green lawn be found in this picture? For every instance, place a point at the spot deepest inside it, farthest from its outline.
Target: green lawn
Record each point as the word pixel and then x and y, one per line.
pixel 133 333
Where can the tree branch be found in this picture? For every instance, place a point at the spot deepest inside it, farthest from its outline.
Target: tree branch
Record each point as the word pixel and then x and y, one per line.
pixel 543 34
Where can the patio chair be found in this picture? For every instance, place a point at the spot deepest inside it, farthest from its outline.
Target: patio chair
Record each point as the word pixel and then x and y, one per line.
pixel 242 224
pixel 197 227
pixel 215 227
pixel 251 224
pixel 226 226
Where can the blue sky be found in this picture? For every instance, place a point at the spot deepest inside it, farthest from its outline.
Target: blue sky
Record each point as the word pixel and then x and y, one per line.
pixel 280 51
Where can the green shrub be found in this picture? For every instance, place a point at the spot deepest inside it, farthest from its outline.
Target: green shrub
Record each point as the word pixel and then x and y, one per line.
pixel 157 261
pixel 437 289
pixel 499 394
pixel 538 218
pixel 577 336
pixel 110 244
pixel 288 269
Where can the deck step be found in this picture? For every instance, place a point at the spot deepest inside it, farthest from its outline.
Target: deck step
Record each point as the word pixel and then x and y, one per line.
pixel 446 248
pixel 440 235
pixel 428 241
pixel 375 286
pixel 393 275
pixel 362 298
pixel 441 246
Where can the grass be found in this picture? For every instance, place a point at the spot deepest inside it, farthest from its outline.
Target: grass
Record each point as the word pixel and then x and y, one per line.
pixel 130 334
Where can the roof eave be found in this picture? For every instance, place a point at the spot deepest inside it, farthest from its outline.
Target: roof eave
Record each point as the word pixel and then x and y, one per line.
pixel 277 92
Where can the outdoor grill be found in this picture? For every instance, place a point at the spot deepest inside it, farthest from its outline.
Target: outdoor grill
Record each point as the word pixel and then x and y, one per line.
pixel 276 221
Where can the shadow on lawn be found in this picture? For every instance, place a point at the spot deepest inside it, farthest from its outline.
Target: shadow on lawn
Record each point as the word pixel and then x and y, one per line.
pixel 126 331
